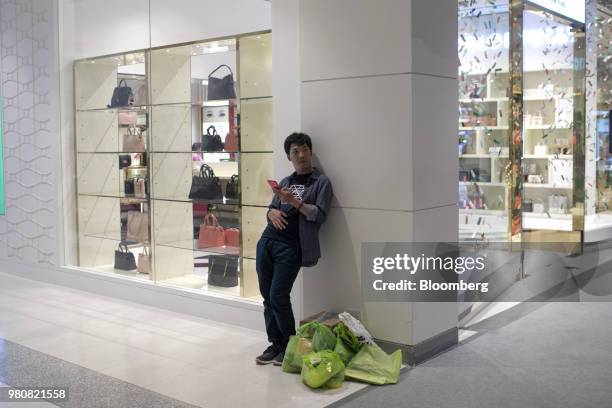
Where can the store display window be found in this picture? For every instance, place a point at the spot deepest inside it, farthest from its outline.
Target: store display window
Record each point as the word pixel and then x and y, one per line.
pixel 522 128
pixel 173 149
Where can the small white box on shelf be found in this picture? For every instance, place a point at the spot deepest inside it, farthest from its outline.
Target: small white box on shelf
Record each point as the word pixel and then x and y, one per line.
pixel 540 150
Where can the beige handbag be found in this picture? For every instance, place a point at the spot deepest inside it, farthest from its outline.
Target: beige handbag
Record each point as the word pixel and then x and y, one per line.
pixel 140 190
pixel 133 141
pixel 144 260
pixel 138 226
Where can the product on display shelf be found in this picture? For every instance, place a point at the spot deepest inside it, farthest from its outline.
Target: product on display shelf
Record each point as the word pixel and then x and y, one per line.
pixel 527 206
pixel 557 204
pixel 125 160
pixel 232 237
pixel 122 95
pixel 223 270
pixel 206 185
pixel 140 190
pixel 128 118
pixel 212 141
pixel 232 189
pixel 144 260
pixel 534 178
pixel 138 226
pixel 133 140
pixel 124 259
pixel 540 150
pixel 231 141
pixel 128 187
pixel 212 234
pixel 538 206
pixel 221 88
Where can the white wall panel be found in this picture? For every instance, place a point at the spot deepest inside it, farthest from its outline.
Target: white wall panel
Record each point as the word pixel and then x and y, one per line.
pixel 108 27
pixel 433 34
pixel 335 284
pixel 434 141
pixel 361 136
pixel 188 20
pixel 345 38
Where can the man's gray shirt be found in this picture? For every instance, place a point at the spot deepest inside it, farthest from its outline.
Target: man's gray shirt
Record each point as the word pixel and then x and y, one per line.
pixel 318 193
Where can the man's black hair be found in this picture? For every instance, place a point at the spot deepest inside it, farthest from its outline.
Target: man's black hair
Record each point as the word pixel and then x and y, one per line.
pixel 299 139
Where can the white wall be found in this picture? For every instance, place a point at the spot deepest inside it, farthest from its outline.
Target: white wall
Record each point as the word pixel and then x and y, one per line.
pixel 29 231
pixel 104 27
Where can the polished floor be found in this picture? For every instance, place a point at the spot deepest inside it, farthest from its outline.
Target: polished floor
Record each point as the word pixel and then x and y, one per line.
pixel 113 353
pixel 534 355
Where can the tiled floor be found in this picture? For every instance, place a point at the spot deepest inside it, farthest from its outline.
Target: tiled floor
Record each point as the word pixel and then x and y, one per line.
pixel 193 360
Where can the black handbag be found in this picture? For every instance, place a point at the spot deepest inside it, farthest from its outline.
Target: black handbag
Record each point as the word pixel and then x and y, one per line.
pixel 124 259
pixel 122 95
pixel 223 270
pixel 232 189
pixel 206 186
pixel 125 160
pixel 221 88
pixel 128 187
pixel 212 141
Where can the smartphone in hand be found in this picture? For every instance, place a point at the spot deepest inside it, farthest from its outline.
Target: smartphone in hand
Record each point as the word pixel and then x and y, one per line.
pixel 273 184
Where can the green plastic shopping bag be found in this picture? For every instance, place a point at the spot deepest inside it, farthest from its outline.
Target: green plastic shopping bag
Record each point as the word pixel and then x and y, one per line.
pixel 372 365
pixel 297 348
pixel 323 339
pixel 348 338
pixel 321 368
pixel 345 353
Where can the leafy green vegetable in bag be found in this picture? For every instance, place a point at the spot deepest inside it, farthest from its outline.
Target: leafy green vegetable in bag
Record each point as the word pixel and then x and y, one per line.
pixel 297 348
pixel 319 368
pixel 348 338
pixel 335 382
pixel 308 329
pixel 372 365
pixel 345 353
pixel 324 339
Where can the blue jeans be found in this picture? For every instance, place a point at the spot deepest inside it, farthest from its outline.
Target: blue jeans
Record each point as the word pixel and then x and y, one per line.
pixel 278 264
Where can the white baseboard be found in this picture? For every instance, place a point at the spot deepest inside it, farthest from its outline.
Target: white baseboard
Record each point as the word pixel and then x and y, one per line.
pixel 243 313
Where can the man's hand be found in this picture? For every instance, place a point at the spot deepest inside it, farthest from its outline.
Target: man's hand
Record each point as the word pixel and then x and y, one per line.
pixel 277 218
pixel 285 195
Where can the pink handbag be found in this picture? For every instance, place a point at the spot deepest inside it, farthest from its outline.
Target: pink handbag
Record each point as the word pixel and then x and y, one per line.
pixel 231 142
pixel 211 233
pixel 133 141
pixel 232 237
pixel 128 118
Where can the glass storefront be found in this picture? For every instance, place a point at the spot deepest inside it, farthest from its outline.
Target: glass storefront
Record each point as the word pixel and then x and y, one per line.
pixel 173 150
pixel 534 107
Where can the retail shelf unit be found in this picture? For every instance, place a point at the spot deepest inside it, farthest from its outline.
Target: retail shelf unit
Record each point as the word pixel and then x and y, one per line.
pixel 518 122
pixel 176 116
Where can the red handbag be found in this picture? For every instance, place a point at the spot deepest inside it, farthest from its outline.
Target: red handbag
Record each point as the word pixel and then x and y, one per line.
pixel 231 141
pixel 232 237
pixel 211 233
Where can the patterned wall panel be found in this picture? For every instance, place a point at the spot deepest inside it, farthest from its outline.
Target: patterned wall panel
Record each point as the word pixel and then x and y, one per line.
pixel 28 232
